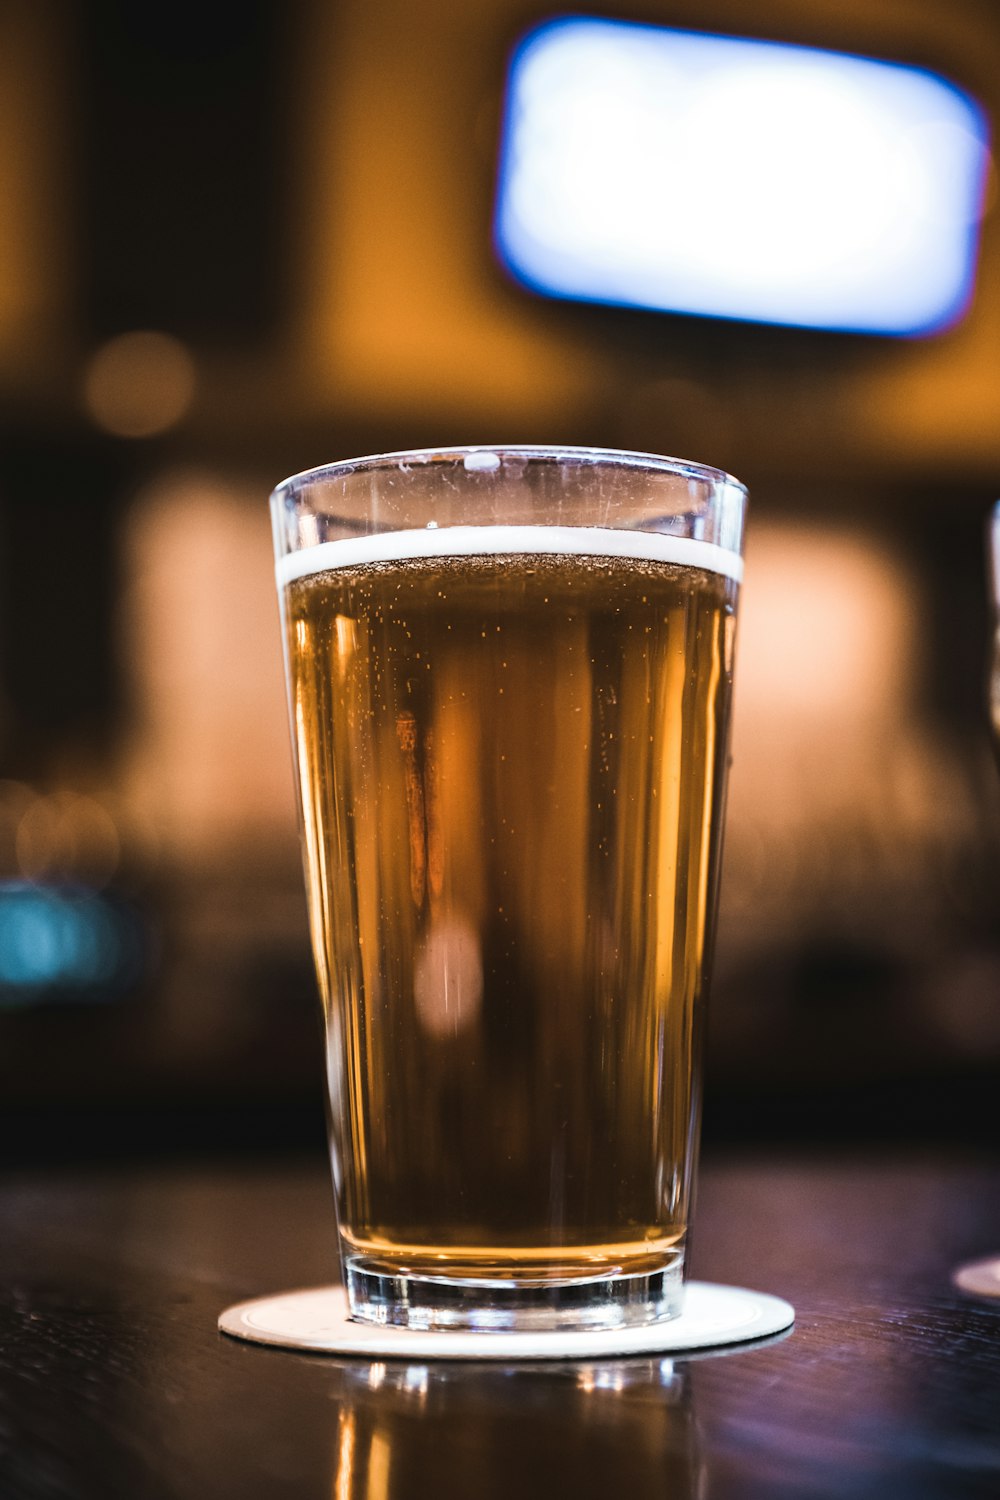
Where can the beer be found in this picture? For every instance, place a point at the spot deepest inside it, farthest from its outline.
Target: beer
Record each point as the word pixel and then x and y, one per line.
pixel 510 765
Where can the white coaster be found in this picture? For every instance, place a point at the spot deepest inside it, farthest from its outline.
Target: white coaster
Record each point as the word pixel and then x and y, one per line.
pixel 317 1319
pixel 980 1277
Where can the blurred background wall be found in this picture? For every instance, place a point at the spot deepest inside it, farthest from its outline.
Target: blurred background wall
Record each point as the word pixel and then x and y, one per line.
pixel 238 240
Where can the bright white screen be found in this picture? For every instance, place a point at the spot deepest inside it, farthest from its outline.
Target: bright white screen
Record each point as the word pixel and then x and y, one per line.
pixel 738 179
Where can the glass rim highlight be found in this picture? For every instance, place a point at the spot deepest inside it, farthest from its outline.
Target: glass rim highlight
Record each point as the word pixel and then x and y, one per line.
pixel 681 468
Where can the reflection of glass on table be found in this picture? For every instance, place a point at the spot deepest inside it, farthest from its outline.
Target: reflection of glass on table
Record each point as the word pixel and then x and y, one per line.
pixel 630 1424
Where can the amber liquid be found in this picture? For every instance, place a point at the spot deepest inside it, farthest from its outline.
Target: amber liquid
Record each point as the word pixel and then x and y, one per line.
pixel 511 772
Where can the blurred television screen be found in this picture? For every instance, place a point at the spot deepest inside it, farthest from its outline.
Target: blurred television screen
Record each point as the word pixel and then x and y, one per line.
pixel 739 179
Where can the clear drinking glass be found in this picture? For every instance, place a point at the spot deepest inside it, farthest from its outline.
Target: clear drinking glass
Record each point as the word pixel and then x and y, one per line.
pixel 993 539
pixel 981 1278
pixel 509 676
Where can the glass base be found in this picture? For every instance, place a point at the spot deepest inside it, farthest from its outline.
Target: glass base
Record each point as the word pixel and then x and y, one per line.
pixel 536 1306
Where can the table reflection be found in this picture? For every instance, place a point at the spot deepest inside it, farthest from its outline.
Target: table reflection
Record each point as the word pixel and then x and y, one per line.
pixel 513 1429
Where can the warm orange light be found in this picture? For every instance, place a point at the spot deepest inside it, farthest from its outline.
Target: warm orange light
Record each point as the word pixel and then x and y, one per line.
pixel 67 835
pixel 826 632
pixel 208 759
pixel 139 384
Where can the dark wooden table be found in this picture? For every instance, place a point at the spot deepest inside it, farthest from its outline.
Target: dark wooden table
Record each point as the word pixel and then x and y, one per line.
pixel 114 1381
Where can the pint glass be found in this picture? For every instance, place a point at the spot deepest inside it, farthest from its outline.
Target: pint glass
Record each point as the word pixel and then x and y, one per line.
pixel 993 558
pixel 509 676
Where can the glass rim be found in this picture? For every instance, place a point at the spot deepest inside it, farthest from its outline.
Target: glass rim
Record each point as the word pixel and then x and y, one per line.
pixel 681 468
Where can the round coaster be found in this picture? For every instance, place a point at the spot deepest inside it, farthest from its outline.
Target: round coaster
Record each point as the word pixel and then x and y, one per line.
pixel 317 1319
pixel 980 1277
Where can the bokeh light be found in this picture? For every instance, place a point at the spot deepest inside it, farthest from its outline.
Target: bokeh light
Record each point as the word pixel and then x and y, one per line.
pixel 65 943
pixel 139 384
pixel 657 168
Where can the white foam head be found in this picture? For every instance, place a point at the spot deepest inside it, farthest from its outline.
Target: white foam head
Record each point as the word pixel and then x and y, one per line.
pixel 485 541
